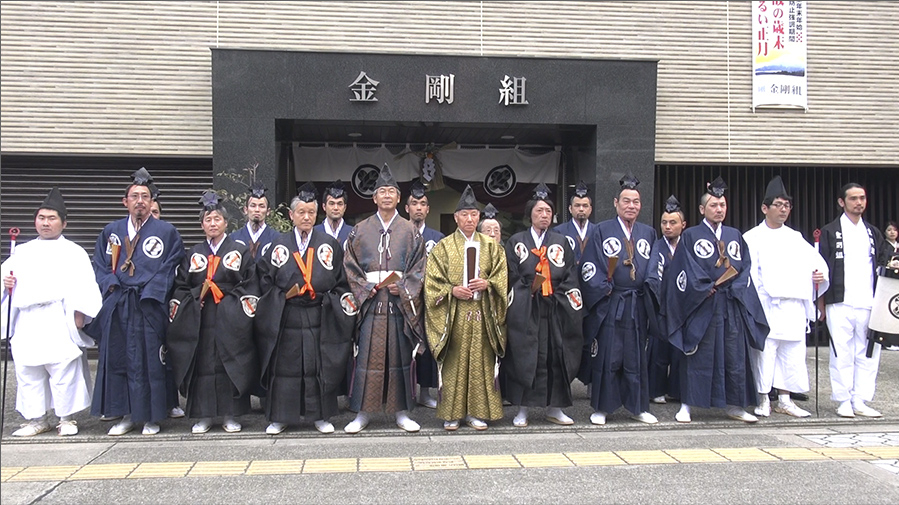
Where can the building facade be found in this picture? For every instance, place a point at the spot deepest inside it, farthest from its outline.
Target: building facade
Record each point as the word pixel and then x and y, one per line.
pixel 91 91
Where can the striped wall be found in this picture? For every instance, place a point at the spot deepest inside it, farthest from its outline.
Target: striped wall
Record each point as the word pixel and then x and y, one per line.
pixel 133 78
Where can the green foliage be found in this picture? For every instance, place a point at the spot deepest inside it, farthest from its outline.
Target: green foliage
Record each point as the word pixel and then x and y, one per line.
pixel 277 217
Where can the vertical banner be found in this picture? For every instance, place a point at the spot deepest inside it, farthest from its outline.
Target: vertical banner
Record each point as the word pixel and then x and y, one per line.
pixel 779 55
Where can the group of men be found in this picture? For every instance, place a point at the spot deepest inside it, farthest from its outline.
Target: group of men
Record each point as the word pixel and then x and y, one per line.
pixel 388 310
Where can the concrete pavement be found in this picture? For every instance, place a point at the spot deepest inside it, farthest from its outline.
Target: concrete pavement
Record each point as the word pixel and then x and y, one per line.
pixel 823 459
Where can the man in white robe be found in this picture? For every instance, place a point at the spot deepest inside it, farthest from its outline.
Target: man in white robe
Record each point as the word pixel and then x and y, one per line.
pixel 54 293
pixel 785 269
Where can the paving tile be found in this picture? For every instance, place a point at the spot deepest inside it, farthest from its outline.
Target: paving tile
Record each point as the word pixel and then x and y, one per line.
pixel 438 463
pixel 215 468
pixel 111 471
pixel 275 467
pixel 645 457
pixel 491 461
pixel 385 465
pixel 44 473
pixel 338 465
pixel 794 453
pixel 745 454
pixel 156 470
pixel 543 460
pixel 595 458
pixel 696 456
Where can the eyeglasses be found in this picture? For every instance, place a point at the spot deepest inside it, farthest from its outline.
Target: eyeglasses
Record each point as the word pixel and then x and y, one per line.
pixel 778 205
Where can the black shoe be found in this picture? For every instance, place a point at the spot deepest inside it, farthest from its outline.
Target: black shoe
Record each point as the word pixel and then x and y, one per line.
pixel 772 395
pixel 802 397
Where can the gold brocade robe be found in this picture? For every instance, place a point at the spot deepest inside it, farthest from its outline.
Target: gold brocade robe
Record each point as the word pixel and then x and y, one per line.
pixel 466 336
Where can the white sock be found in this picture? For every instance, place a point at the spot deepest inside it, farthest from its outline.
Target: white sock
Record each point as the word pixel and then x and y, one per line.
pixel 684 408
pixel 783 398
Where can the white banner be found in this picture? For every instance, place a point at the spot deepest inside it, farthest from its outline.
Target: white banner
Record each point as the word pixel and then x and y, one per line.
pixel 779 38
pixel 327 164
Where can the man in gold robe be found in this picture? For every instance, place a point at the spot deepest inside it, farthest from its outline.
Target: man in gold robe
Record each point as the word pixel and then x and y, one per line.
pixel 465 314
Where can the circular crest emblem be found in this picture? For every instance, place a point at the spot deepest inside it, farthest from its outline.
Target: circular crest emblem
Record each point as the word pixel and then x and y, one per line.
pixel 348 304
pixel 733 249
pixel 232 260
pixel 430 245
pixel 611 247
pixel 571 243
pixel 173 308
pixel 364 179
pixel 703 249
pixel 574 298
pixel 325 256
pixel 556 255
pixel 265 249
pixel 249 303
pixel 588 270
pixel 113 240
pixel 894 306
pixel 521 251
pixel 643 248
pixel 500 181
pixel 153 247
pixel 682 281
pixel 198 263
pixel 280 255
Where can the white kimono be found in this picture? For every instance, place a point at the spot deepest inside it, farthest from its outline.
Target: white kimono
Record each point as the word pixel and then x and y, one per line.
pixel 782 267
pixel 54 278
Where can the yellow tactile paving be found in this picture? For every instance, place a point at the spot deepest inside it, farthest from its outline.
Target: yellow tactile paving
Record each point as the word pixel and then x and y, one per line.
pixel 595 458
pixel 337 465
pixel 745 454
pixel 696 456
pixel 645 457
pixel 275 467
pixel 438 463
pixel 883 452
pixel 8 471
pixel 41 473
pixel 111 471
pixel 211 468
pixel 425 463
pixel 155 470
pixel 385 465
pixel 480 461
pixel 843 453
pixel 794 453
pixel 543 460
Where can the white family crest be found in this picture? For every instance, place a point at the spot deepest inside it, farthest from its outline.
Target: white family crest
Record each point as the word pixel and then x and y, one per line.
pixel 682 281
pixel 198 263
pixel 703 249
pixel 643 248
pixel 521 251
pixel 733 249
pixel 588 270
pixel 113 240
pixel 325 256
pixel 232 261
pixel 153 247
pixel 249 303
pixel 611 247
pixel 556 255
pixel 348 304
pixel 280 255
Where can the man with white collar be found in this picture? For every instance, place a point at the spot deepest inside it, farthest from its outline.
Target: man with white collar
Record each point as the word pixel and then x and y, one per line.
pixel 385 261
pixel 134 262
pixel 418 208
pixel 785 269
pixel 713 314
pixel 256 234
pixel 579 229
pixel 55 294
pixel 850 245
pixel 465 299
pixel 613 272
pixel 334 204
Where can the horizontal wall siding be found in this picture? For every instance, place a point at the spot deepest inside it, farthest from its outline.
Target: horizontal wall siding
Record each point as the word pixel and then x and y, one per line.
pixel 134 77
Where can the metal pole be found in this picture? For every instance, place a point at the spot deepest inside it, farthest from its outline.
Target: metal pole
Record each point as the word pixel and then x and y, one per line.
pixel 817 235
pixel 13 233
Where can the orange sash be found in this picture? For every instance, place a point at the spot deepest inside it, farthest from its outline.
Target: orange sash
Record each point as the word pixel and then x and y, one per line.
pixel 543 269
pixel 208 284
pixel 306 269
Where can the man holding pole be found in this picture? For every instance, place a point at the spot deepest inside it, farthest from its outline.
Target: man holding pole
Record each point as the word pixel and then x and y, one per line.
pixel 786 271
pixel 55 295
